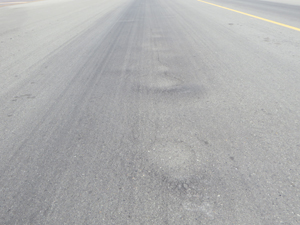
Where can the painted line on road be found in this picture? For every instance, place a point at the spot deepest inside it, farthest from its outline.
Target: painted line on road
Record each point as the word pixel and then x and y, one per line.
pixel 257 17
pixel 3 4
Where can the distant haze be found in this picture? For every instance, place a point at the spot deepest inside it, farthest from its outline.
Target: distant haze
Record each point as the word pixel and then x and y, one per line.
pixel 290 2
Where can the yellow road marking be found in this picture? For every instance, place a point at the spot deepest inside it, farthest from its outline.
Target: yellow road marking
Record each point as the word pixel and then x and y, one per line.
pixel 257 17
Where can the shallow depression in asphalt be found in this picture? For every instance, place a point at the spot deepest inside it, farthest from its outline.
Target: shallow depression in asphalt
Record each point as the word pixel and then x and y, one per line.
pixel 175 158
pixel 177 90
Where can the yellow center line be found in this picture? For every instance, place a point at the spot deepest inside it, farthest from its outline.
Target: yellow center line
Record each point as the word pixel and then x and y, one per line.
pixel 257 17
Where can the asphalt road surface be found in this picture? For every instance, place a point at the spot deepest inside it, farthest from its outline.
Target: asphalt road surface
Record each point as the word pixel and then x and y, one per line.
pixel 14 2
pixel 150 112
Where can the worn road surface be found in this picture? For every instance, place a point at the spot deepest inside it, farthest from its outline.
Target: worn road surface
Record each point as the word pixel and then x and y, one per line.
pixel 150 112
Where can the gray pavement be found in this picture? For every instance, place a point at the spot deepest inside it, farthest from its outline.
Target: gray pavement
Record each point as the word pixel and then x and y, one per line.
pixel 14 2
pixel 149 112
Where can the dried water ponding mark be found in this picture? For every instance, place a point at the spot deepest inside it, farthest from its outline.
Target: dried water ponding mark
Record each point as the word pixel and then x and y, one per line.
pixel 197 189
pixel 171 91
pixel 163 83
pixel 181 163
pixel 190 183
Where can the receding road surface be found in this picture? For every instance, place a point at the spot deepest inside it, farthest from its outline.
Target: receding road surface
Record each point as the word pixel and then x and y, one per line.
pixel 150 112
